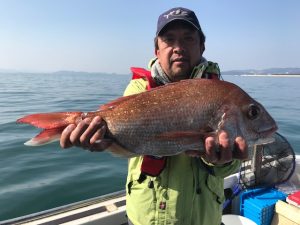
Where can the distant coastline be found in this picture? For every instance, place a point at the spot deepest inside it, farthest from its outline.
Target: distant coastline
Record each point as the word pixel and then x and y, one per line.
pixel 279 72
pixel 269 75
pixel 271 72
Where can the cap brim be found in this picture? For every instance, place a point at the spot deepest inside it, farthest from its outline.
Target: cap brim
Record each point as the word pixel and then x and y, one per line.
pixel 179 19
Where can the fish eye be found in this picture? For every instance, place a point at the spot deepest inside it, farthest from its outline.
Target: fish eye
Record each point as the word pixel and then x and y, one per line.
pixel 253 112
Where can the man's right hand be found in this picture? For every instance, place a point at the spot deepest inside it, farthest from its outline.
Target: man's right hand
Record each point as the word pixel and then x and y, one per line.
pixel 88 134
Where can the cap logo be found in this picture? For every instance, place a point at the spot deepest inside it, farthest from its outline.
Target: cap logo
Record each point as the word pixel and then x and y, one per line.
pixel 177 12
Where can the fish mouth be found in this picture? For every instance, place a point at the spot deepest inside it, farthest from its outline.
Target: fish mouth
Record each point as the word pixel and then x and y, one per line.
pixel 268 132
pixel 264 137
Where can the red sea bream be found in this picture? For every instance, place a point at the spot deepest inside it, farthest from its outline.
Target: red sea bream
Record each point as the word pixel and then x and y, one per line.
pixel 170 119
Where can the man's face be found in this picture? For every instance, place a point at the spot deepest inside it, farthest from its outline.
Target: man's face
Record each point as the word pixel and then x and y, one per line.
pixel 179 50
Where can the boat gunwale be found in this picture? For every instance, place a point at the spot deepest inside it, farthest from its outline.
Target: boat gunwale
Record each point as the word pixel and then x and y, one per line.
pixel 65 208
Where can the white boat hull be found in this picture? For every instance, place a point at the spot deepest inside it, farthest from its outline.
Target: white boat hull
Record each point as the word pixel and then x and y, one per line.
pixel 109 209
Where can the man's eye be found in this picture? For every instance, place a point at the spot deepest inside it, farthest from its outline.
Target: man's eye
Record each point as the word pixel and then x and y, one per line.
pixel 168 39
pixel 189 38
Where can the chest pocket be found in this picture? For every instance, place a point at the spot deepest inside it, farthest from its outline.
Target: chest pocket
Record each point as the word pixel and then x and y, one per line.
pixel 215 185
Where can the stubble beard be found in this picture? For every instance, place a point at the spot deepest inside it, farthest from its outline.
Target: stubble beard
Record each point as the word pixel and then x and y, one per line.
pixel 177 74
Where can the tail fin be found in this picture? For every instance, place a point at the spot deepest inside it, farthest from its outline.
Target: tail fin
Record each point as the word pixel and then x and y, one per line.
pixel 53 123
pixel 51 120
pixel 45 137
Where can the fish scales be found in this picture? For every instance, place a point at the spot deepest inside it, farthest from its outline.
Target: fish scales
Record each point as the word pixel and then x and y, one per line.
pixel 156 113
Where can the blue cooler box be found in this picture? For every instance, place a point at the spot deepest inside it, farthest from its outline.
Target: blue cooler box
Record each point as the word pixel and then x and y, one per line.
pixel 258 204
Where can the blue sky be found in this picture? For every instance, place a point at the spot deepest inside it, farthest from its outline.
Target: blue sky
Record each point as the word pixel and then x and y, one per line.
pixel 110 36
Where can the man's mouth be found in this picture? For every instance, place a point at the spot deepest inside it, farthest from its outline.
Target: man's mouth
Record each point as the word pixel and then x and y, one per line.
pixel 180 60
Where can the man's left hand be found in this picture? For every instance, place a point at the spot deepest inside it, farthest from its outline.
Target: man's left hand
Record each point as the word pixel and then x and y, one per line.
pixel 224 151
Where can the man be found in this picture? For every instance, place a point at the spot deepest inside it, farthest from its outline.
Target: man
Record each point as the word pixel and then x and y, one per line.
pixel 181 189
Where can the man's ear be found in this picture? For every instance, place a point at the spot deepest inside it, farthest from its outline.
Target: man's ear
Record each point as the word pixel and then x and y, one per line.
pixel 156 52
pixel 202 48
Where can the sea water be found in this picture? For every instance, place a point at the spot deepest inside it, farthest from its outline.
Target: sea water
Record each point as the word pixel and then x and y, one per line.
pixel 33 179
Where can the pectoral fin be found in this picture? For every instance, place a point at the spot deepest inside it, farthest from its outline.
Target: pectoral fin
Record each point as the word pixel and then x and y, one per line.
pixel 179 134
pixel 188 135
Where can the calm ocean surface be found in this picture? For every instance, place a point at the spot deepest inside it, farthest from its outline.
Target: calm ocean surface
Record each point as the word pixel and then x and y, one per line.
pixel 39 178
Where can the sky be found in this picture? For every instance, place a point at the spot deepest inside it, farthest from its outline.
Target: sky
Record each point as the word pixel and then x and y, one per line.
pixel 111 36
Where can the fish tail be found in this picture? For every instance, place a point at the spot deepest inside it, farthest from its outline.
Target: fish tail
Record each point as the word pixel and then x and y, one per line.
pixel 45 137
pixel 52 123
pixel 51 120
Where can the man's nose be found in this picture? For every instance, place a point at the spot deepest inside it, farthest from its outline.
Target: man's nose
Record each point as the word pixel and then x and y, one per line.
pixel 179 46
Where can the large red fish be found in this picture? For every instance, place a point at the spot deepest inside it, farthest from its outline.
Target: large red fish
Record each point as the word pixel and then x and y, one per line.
pixel 168 120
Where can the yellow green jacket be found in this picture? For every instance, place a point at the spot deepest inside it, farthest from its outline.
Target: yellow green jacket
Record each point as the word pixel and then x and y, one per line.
pixel 184 193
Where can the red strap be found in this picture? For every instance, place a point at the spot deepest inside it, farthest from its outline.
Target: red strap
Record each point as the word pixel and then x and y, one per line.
pixel 138 73
pixel 153 166
pixel 214 76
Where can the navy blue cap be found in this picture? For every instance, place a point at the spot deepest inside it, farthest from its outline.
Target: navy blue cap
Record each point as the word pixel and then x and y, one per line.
pixel 177 13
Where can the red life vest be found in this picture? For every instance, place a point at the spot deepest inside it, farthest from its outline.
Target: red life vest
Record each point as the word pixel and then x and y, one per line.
pixel 152 165
pixel 138 73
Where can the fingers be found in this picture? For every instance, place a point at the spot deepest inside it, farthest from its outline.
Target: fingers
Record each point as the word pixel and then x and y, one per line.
pixel 65 136
pixel 98 135
pixel 100 145
pixel 88 134
pixel 79 135
pixel 225 151
pixel 95 130
pixel 225 148
pixel 240 149
pixel 211 150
